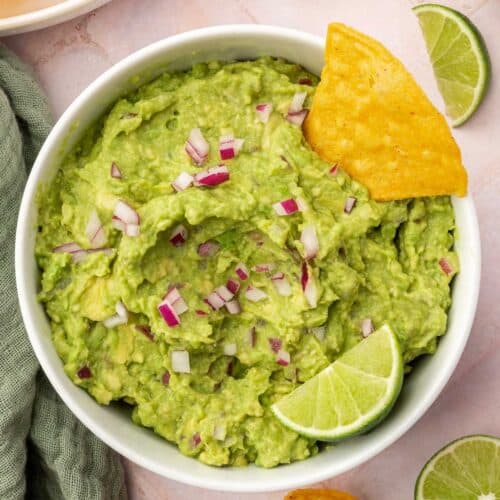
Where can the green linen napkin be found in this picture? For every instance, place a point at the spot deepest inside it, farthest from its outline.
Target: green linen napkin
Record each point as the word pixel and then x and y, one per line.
pixel 45 452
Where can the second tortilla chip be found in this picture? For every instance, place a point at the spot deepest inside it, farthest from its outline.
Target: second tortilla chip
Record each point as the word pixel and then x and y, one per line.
pixel 371 118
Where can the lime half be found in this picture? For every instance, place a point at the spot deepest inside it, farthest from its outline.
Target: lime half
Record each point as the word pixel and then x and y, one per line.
pixel 459 58
pixel 465 469
pixel 351 395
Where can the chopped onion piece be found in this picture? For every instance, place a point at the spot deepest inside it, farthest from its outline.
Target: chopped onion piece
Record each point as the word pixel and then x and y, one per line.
pixel 219 432
pixel 200 312
pixel 233 307
pixel 251 336
pixel 264 110
pixel 197 147
pixel 132 230
pixel 145 330
pixel 283 358
pixel 349 204
pixel 309 286
pixel 263 268
pixel 215 301
pixel 229 147
pixel 169 314
pixel 281 284
pixel 115 320
pixel 118 224
pixel 174 298
pixel 165 378
pixel 445 266
pixel 115 171
pixel 255 294
pixel 310 242
pixel 242 271
pixel 319 332
pixel 274 344
pixel 95 231
pixel 183 181
pixel 126 213
pixel 286 207
pixel 230 349
pixel 212 176
pixel 79 256
pixel 233 286
pixel 208 249
pixel 224 293
pixel 121 310
pixel 334 170
pixel 180 361
pixel 179 235
pixel 298 117
pixel 297 102
pixel 367 327
pixel 84 372
pixel 196 439
pixel 67 248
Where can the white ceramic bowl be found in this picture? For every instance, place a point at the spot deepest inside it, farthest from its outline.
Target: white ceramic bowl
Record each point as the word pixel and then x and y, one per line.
pixel 48 16
pixel 113 425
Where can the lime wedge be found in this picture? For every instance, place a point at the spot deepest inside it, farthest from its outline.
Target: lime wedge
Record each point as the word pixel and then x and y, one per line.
pixel 465 469
pixel 351 395
pixel 459 58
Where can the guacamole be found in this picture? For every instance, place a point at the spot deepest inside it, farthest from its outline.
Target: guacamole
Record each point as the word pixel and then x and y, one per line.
pixel 199 261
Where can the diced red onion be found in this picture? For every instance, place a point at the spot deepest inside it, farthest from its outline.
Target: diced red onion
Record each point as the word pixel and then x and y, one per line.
pixel 173 295
pixel 215 301
pixel 286 207
pixel 197 147
pixel 334 170
pixel 179 235
pixel 229 147
pixel 126 213
pixel 115 171
pixel 233 286
pixel 264 110
pixel 79 256
pixel 219 432
pixel 95 231
pixel 251 336
pixel 255 294
pixel 297 102
pixel 115 320
pixel 233 307
pixel 174 298
pixel 132 230
pixel 212 176
pixel 242 271
pixel 230 349
pixel 182 181
pixel 445 266
pixel 196 439
pixel 298 117
pixel 367 327
pixel 169 314
pixel 118 224
pixel 84 372
pixel 281 284
pixel 67 248
pixel 208 249
pixel 145 330
pixel 310 242
pixel 283 358
pixel 180 361
pixel 165 378
pixel 263 268
pixel 309 286
pixel 319 332
pixel 121 310
pixel 349 204
pixel 274 344
pixel 224 293
pixel 200 312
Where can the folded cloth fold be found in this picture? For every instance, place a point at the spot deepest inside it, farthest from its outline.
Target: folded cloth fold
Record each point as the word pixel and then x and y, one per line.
pixel 45 452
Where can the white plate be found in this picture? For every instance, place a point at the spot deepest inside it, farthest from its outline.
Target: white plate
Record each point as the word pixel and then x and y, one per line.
pixel 42 18
pixel 113 424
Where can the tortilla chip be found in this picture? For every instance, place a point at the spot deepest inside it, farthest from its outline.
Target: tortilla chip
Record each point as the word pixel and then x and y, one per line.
pixel 317 494
pixel 371 118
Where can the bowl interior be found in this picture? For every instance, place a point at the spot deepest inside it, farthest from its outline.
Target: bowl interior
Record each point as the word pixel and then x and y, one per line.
pixel 112 424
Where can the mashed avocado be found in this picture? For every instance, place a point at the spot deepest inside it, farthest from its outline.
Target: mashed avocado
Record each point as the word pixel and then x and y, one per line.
pixel 206 384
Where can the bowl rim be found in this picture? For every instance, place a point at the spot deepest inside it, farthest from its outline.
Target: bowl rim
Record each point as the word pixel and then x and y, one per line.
pixel 47 16
pixel 174 472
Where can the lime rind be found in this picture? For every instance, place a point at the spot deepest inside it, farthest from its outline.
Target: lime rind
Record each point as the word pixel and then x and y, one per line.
pixel 449 449
pixel 365 421
pixel 479 49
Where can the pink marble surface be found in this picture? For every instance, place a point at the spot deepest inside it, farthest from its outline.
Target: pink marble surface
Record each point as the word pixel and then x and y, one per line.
pixel 68 57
